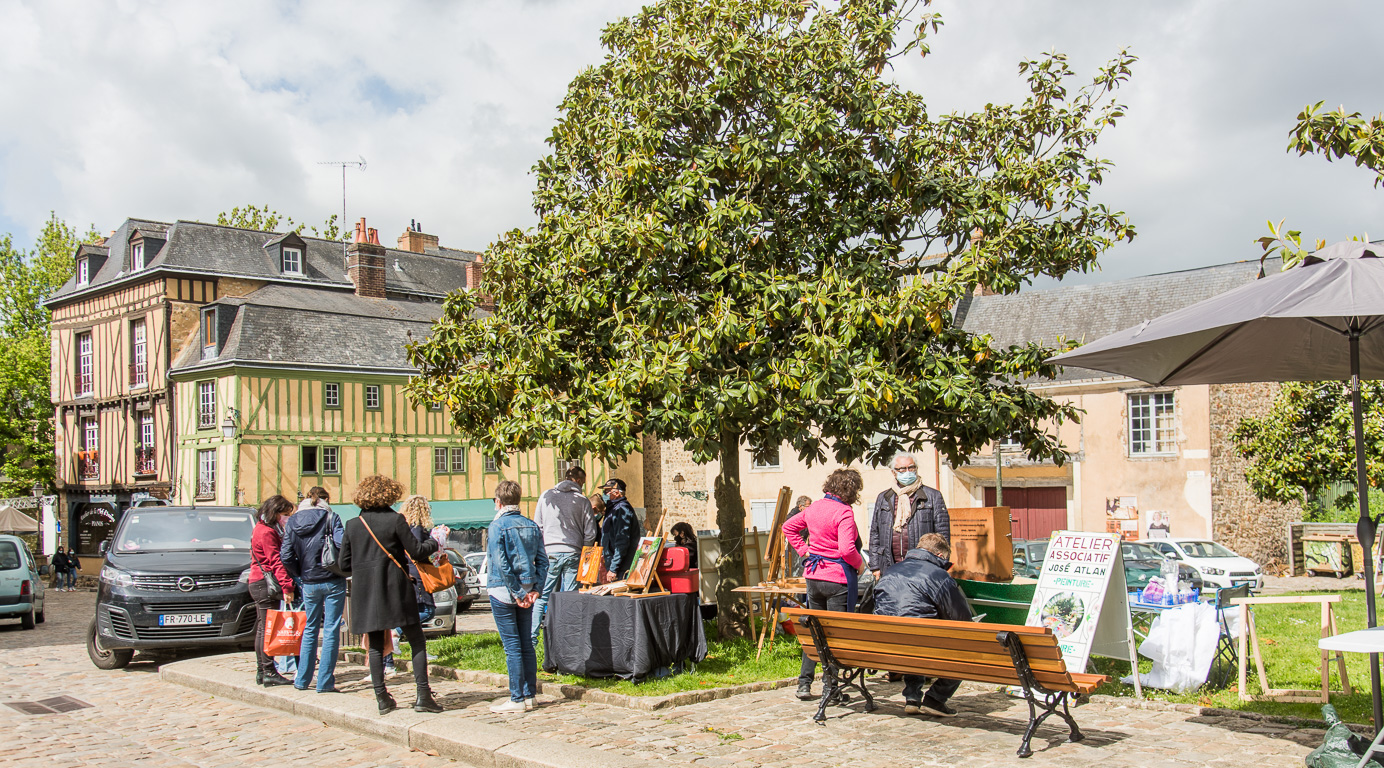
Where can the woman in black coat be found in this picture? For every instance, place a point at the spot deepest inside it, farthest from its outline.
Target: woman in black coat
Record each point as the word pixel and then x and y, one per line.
pixel 375 551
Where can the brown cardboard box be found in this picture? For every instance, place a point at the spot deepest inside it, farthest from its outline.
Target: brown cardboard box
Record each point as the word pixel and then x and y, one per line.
pixel 982 549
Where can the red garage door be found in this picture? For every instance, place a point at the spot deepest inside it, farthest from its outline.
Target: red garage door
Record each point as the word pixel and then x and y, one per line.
pixel 1036 512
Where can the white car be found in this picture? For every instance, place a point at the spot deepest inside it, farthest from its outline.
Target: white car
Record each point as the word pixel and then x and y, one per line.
pixel 1217 565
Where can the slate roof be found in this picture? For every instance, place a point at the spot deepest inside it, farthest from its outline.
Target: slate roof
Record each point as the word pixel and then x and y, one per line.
pixel 305 327
pixel 211 249
pixel 1084 313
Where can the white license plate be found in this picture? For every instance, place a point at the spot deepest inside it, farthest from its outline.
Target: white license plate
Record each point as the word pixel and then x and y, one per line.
pixel 176 619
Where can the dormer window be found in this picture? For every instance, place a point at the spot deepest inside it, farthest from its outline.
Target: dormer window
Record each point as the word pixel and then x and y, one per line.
pixel 83 274
pixel 292 261
pixel 137 256
pixel 209 334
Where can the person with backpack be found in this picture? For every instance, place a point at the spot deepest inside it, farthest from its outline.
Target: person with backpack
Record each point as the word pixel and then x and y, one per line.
pixel 311 563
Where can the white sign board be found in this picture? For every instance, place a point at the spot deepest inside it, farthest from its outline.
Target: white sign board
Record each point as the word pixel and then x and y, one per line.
pixel 1081 597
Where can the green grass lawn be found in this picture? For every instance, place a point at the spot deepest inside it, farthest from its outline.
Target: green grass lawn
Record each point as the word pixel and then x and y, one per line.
pixel 1288 637
pixel 728 662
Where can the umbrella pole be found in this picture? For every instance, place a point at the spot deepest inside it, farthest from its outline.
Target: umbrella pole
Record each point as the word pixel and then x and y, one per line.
pixel 1364 529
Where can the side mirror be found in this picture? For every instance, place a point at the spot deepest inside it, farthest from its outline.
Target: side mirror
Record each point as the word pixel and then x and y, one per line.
pixel 102 547
pixel 1172 556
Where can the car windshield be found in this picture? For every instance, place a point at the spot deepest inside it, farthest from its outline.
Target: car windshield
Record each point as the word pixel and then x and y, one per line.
pixel 475 559
pixel 1205 549
pixel 9 556
pixel 1036 552
pixel 454 558
pixel 160 529
pixel 1132 551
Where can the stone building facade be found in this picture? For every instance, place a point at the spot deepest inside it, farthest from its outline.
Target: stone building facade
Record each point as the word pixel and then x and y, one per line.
pixel 1254 528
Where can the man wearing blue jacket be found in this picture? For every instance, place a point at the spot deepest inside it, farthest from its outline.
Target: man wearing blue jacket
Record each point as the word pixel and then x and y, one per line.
pixel 323 591
pixel 919 586
pixel 620 530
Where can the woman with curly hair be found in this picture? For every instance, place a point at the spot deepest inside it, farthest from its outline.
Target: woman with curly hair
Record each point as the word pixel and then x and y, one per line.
pixel 374 550
pixel 418 514
pixel 831 561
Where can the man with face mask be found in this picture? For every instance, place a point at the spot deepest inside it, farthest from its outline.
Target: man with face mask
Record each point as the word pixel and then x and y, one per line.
pixel 620 529
pixel 903 514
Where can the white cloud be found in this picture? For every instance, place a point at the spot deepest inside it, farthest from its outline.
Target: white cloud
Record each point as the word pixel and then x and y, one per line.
pixel 180 110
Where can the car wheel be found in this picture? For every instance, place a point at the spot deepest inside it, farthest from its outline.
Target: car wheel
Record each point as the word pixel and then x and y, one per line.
pixel 39 617
pixel 27 620
pixel 106 658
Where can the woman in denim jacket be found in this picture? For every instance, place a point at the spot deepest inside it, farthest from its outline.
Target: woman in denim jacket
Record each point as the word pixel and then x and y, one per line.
pixel 518 567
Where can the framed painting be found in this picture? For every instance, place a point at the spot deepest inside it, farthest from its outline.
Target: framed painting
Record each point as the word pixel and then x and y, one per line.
pixel 644 561
pixel 589 567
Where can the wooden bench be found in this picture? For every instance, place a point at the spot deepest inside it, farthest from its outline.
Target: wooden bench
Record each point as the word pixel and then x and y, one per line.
pixel 847 644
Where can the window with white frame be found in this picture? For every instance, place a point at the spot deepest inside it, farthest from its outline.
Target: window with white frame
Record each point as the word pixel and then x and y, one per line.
pixel 565 464
pixel 91 434
pixel 206 474
pixel 331 395
pixel 458 459
pixel 762 513
pixel 83 364
pixel 441 464
pixel 209 333
pixel 83 272
pixel 144 452
pixel 292 261
pixel 139 354
pixel 435 406
pixel 1152 424
pixel 331 456
pixel 372 396
pixel 206 405
pixel 770 460
pixel 136 256
pixel 146 431
pixel 492 464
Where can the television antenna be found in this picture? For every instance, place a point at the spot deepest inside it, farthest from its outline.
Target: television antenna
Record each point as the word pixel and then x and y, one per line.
pixel 360 164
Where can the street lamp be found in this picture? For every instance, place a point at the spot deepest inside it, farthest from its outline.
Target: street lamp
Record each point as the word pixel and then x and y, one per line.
pixel 37 490
pixel 228 427
pixel 679 482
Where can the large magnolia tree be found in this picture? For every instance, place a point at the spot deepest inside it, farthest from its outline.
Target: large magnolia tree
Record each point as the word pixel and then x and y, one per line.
pixel 748 233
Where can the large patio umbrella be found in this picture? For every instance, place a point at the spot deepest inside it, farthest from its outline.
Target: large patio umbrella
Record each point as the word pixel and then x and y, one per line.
pixel 1320 321
pixel 14 521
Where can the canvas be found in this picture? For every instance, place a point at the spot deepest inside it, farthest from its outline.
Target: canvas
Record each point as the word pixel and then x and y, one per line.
pixel 589 567
pixel 644 561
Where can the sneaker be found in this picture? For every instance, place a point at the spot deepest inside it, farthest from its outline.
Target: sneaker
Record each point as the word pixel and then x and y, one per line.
pixel 935 708
pixel 507 707
pixel 389 669
pixel 805 692
pixel 530 703
pixel 910 707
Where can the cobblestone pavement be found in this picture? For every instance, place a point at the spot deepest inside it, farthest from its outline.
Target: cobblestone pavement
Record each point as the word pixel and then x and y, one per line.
pixel 137 719
pixel 772 729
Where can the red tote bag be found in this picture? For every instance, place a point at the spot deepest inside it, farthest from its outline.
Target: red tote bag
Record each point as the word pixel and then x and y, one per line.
pixel 283 632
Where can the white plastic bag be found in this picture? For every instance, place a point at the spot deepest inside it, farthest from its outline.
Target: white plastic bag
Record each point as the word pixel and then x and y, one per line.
pixel 1182 643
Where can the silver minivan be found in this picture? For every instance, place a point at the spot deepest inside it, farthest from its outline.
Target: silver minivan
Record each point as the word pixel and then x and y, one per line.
pixel 21 583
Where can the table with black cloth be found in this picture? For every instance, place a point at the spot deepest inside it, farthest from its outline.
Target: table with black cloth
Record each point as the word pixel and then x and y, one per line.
pixel 613 636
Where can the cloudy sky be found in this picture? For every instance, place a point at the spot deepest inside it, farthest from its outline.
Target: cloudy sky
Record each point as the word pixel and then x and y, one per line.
pixel 170 110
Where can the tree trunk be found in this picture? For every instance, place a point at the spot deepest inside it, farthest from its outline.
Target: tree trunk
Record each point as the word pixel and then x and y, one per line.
pixel 732 609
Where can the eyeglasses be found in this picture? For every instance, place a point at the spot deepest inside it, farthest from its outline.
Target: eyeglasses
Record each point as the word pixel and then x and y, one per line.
pixel 909 468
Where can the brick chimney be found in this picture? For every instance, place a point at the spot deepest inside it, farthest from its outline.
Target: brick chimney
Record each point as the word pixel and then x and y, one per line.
pixel 475 273
pixel 365 262
pixel 414 239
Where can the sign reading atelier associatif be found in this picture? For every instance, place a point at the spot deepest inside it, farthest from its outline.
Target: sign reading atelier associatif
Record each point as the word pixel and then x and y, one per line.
pixel 1081 597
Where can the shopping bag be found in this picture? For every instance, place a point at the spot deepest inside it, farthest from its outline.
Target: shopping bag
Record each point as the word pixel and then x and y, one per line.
pixel 283 632
pixel 436 577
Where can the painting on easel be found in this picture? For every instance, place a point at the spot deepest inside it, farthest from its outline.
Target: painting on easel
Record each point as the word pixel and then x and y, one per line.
pixel 644 561
pixel 589 567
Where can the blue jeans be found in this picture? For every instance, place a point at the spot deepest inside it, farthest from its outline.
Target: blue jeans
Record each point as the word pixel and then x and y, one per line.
pixel 516 625
pixel 562 577
pixel 63 581
pixel 323 604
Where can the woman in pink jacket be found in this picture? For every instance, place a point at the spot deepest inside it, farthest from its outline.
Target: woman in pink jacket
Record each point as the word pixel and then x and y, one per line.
pixel 831 560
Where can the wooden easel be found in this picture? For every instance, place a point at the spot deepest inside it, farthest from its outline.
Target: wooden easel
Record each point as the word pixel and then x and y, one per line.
pixel 647 589
pixel 777 559
pixel 1249 632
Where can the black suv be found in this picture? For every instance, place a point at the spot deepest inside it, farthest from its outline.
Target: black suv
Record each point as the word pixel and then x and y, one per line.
pixel 174 578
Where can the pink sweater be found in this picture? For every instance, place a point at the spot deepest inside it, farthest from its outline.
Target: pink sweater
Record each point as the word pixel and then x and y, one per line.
pixel 831 533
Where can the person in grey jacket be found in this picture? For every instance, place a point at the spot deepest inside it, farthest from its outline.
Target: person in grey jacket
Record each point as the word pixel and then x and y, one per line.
pixel 903 514
pixel 568 524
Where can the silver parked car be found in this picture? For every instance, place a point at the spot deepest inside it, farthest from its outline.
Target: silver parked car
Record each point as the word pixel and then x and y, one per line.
pixel 469 588
pixel 21 583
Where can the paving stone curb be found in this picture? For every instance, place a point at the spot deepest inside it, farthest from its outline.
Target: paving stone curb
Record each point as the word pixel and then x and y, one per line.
pixel 1197 709
pixel 595 695
pixel 478 744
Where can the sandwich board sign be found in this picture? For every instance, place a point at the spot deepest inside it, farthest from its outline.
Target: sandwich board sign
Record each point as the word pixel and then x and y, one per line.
pixel 1081 596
